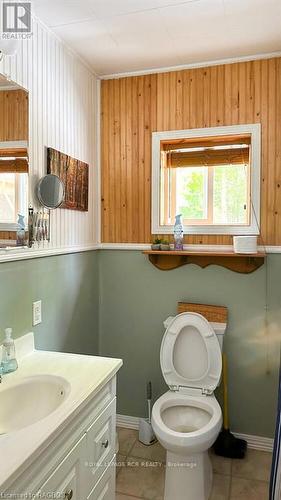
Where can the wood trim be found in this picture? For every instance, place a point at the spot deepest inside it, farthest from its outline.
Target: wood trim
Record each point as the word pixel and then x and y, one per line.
pixel 214 314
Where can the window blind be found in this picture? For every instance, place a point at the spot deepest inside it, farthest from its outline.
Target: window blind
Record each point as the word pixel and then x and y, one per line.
pixel 208 157
pixel 13 161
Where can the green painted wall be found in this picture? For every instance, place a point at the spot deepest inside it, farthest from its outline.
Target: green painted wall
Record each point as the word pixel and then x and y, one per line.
pixel 135 298
pixel 114 302
pixel 68 288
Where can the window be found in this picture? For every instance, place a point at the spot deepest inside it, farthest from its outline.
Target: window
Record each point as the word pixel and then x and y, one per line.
pixel 13 187
pixel 13 197
pixel 210 176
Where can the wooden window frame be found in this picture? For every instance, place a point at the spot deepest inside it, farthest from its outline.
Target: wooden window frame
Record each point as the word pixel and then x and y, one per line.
pixel 254 130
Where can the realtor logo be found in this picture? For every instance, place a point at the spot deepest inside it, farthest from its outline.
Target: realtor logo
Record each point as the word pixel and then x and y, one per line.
pixel 16 17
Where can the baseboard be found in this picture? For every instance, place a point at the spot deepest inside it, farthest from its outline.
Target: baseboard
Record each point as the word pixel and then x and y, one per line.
pixel 254 442
pixel 257 442
pixel 127 422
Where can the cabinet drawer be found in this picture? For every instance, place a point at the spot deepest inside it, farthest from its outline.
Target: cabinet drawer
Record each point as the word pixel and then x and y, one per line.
pixel 101 443
pixel 105 488
pixel 68 481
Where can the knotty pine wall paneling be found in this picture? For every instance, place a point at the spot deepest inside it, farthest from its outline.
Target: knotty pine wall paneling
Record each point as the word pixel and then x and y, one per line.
pixel 134 107
pixel 13 115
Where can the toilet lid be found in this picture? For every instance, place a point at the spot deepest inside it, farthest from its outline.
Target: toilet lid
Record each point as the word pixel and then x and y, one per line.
pixel 190 354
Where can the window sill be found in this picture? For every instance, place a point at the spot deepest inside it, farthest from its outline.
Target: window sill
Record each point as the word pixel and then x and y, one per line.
pixel 240 263
pixel 211 229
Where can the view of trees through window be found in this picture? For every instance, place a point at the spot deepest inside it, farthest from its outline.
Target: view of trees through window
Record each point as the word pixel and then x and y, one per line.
pixel 192 192
pixel 213 195
pixel 13 196
pixel 8 197
pixel 230 195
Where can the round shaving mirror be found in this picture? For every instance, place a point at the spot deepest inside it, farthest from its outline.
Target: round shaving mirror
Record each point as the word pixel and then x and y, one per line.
pixel 50 191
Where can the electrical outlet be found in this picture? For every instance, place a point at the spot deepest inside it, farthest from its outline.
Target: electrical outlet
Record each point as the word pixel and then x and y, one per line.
pixel 37 312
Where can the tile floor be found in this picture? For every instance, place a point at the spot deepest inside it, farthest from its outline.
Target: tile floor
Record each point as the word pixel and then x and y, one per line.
pixel 141 470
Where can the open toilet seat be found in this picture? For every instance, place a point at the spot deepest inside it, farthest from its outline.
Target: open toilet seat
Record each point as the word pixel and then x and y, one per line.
pixel 190 354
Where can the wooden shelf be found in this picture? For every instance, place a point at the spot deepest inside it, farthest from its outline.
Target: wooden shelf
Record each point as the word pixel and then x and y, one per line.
pixel 240 263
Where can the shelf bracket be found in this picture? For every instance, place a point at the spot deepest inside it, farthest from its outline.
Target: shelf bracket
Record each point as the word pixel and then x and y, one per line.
pixel 239 263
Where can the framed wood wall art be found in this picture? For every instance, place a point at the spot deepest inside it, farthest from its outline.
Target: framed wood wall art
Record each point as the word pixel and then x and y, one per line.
pixel 75 176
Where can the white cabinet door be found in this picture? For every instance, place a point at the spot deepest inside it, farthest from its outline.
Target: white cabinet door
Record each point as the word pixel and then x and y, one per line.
pixel 68 481
pixel 101 443
pixel 105 488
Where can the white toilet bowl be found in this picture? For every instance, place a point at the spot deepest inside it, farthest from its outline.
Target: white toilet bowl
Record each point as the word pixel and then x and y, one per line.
pixel 187 419
pixel 186 424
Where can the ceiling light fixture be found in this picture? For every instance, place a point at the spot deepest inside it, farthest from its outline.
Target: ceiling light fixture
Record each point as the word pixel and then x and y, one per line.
pixel 8 47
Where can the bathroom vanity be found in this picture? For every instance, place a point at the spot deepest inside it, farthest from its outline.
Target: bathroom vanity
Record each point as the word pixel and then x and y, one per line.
pixel 57 425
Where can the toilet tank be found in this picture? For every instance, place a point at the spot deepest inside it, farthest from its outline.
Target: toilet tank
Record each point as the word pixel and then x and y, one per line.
pixel 219 331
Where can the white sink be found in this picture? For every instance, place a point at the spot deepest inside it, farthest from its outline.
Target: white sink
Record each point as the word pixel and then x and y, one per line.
pixel 30 400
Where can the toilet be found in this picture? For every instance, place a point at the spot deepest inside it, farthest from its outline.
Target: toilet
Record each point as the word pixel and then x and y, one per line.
pixel 187 418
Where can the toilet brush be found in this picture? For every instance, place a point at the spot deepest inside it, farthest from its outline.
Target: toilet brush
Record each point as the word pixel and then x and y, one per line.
pixel 227 445
pixel 149 396
pixel 146 434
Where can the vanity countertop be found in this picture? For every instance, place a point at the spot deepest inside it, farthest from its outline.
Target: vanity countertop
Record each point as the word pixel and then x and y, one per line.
pixel 86 376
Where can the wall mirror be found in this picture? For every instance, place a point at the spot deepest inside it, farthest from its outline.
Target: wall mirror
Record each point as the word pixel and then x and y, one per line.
pixel 50 191
pixel 13 164
pixel 211 176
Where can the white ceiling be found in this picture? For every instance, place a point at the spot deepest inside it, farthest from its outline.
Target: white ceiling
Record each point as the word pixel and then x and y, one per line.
pixel 117 36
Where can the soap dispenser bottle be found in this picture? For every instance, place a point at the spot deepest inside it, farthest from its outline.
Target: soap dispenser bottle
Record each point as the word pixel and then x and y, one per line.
pixel 9 362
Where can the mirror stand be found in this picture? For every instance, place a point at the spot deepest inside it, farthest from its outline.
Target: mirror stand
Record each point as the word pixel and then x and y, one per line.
pixel 38 226
pixel 50 193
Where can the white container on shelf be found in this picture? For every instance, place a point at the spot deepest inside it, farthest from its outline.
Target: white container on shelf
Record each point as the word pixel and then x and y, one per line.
pixel 245 244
